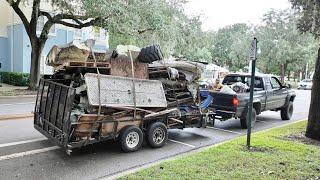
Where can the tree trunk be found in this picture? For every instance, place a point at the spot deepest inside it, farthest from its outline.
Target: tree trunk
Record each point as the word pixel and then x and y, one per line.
pixel 35 65
pixel 282 70
pixel 289 75
pixel 313 128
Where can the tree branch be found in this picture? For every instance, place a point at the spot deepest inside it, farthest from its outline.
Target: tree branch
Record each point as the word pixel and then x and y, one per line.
pixel 140 31
pixel 80 24
pixel 54 20
pixel 18 2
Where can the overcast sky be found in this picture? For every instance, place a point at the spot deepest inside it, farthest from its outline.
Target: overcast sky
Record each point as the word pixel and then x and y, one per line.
pixel 218 13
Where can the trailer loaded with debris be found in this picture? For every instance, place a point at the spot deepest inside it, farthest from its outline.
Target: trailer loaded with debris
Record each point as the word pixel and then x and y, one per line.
pixel 127 94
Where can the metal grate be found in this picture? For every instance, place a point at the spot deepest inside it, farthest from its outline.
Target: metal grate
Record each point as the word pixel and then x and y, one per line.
pixel 52 110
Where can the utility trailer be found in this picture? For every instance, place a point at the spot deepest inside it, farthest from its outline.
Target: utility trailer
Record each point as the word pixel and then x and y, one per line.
pixel 94 97
pixel 130 112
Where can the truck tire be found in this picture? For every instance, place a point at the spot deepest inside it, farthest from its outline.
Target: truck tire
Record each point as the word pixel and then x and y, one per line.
pixel 287 111
pixel 131 139
pixel 150 54
pixel 157 134
pixel 243 120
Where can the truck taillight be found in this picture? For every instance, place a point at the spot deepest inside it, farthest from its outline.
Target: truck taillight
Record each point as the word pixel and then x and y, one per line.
pixel 235 101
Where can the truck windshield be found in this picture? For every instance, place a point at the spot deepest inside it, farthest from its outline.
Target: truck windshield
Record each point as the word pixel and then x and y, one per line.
pixel 229 80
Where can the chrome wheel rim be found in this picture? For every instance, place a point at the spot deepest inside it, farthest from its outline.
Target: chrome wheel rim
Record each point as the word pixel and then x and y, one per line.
pixel 158 135
pixel 132 139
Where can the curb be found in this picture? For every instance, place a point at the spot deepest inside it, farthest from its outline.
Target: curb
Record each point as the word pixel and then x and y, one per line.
pixel 22 96
pixel 117 175
pixel 16 116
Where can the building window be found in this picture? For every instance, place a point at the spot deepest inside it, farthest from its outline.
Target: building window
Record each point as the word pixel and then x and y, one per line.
pixel 103 34
pixel 42 64
pixel 100 34
pixel 78 34
pixel 41 22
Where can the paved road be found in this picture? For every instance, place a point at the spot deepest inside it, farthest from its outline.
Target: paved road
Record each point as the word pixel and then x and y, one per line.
pixel 38 158
pixel 16 105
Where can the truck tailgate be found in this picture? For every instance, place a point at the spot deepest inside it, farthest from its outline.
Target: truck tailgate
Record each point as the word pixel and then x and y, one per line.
pixel 223 102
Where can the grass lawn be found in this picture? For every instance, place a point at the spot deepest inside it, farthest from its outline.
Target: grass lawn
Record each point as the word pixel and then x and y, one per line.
pixel 274 156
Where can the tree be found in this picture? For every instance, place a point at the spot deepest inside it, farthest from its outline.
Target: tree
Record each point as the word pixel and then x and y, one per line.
pixel 309 21
pixel 284 49
pixel 177 34
pixel 231 46
pixel 128 18
pixel 68 15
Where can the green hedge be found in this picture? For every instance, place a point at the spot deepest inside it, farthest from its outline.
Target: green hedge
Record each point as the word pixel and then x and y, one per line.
pixel 15 78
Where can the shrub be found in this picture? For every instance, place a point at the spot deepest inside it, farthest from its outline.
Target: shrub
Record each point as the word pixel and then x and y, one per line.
pixel 15 78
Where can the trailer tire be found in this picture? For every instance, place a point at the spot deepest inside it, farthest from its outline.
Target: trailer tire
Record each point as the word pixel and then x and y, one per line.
pixel 131 139
pixel 287 111
pixel 243 120
pixel 150 54
pixel 157 134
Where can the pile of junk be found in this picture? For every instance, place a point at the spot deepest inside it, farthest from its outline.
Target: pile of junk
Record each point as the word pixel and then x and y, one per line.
pixel 100 92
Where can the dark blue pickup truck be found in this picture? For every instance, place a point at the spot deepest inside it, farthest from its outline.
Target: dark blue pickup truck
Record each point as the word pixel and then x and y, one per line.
pixel 269 94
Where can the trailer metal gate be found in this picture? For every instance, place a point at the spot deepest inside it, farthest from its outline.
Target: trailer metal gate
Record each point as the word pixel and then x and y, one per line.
pixel 52 111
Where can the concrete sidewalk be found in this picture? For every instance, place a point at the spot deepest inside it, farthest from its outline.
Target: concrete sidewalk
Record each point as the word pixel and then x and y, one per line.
pixel 8 87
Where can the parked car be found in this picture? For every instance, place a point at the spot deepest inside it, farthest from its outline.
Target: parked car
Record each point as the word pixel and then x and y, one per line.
pixel 305 84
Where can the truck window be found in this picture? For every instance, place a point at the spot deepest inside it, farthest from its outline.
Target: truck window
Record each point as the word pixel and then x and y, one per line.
pixel 275 83
pixel 268 83
pixel 229 80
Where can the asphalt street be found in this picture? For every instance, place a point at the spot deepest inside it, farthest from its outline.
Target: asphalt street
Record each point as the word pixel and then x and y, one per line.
pixel 26 154
pixel 16 105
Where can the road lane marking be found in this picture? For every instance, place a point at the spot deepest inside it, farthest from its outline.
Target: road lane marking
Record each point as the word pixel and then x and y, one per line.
pixel 17 104
pixel 22 142
pixel 234 132
pixel 26 153
pixel 182 143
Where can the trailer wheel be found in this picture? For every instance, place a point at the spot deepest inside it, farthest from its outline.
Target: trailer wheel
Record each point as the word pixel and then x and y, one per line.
pixel 131 139
pixel 157 134
pixel 243 120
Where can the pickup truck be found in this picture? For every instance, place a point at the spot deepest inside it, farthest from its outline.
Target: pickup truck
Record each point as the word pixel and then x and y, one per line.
pixel 269 94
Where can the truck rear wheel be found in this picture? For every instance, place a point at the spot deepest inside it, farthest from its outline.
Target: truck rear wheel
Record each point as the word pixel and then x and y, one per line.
pixel 243 120
pixel 157 134
pixel 286 112
pixel 131 139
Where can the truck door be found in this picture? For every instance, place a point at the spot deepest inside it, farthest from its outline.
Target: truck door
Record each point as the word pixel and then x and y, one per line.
pixel 269 93
pixel 279 94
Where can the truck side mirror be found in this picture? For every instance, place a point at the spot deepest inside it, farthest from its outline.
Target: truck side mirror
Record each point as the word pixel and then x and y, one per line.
pixel 287 86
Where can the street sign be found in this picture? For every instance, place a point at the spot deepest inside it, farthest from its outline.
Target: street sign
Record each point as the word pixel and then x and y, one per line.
pixel 253 58
pixel 253 50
